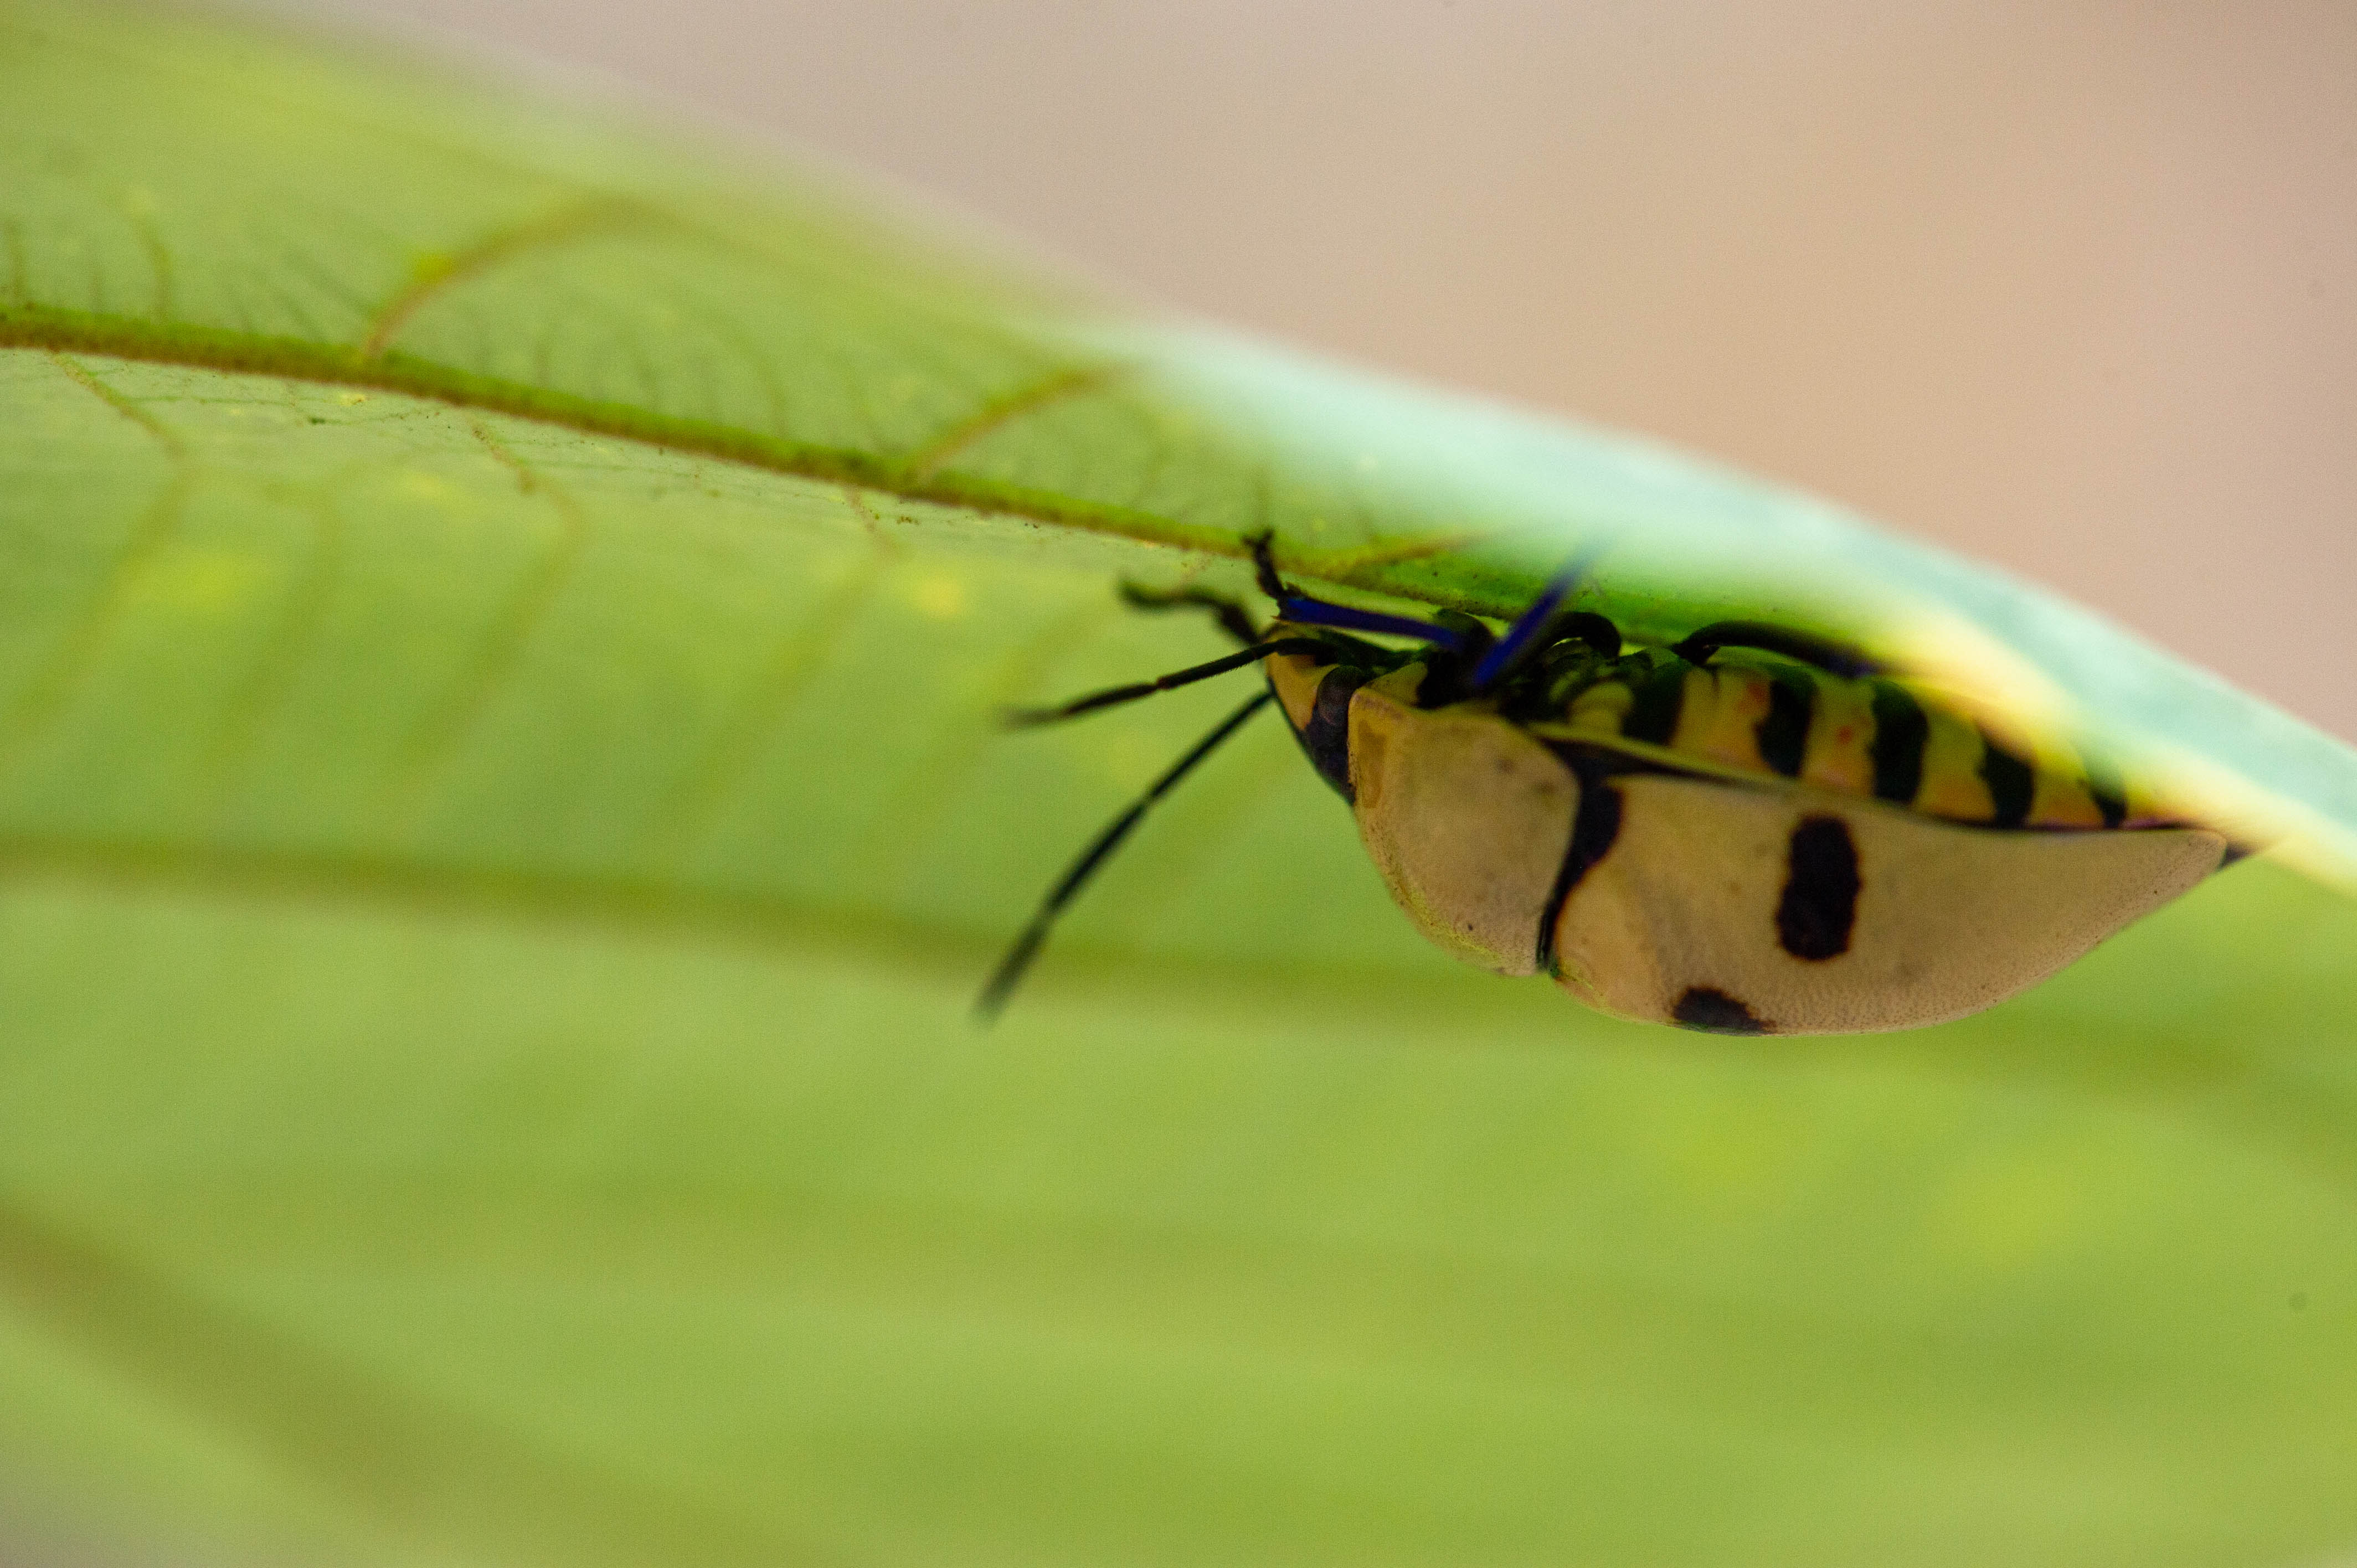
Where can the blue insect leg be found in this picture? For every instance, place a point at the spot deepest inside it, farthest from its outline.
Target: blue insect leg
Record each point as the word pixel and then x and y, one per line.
pixel 1302 611
pixel 1523 636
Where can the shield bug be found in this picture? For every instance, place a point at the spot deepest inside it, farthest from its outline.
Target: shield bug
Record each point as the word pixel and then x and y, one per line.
pixel 1750 831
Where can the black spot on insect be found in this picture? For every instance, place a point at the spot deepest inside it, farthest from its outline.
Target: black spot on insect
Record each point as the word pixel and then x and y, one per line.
pixel 1900 734
pixel 1654 698
pixel 1595 824
pixel 1714 1011
pixel 2103 789
pixel 1783 734
pixel 1326 739
pixel 1820 903
pixel 2010 783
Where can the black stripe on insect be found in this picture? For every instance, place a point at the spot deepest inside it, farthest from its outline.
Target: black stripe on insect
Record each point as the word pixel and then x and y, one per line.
pixel 1547 652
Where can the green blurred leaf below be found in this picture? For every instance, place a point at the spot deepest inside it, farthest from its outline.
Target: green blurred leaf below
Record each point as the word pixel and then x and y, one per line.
pixel 501 817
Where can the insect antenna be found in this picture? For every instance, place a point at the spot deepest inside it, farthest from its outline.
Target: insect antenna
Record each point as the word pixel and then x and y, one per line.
pixel 1113 696
pixel 1011 969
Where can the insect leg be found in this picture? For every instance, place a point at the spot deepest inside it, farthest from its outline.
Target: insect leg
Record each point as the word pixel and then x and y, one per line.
pixel 1018 958
pixel 1112 696
pixel 1833 658
pixel 1234 619
pixel 1529 632
pixel 1303 610
pixel 1598 633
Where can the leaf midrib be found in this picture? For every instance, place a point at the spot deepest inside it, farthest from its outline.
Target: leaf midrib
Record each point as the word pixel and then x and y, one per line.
pixel 916 479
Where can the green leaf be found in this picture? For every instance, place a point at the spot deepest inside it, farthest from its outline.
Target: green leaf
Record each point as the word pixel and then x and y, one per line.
pixel 502 815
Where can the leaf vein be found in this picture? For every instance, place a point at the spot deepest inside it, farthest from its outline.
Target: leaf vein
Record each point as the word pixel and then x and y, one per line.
pixel 999 413
pixel 439 736
pixel 577 219
pixel 54 327
pixel 77 654
pixel 725 760
pixel 275 668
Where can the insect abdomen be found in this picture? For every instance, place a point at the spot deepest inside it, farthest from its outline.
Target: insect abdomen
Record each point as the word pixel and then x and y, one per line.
pixel 1736 910
pixel 1874 738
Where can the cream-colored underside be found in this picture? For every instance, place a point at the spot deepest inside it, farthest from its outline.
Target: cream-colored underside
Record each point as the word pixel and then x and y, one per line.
pixel 1295 678
pixel 1949 919
pixel 1467 817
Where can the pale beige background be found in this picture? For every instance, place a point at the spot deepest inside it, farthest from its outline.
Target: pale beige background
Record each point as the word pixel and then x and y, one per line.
pixel 2070 286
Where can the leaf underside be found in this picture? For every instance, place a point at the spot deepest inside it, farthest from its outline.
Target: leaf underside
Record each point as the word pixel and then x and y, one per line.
pixel 502 815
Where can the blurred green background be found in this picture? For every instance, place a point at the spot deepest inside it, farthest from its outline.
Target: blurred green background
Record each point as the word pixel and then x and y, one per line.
pixel 488 902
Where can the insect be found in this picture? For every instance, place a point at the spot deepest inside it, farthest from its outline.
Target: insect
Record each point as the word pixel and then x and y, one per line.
pixel 1752 830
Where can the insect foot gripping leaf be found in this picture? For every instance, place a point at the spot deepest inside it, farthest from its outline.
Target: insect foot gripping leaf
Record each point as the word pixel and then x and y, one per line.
pixel 1800 844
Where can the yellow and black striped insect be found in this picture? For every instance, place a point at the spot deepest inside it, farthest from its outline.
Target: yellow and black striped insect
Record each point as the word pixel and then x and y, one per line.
pixel 1752 830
